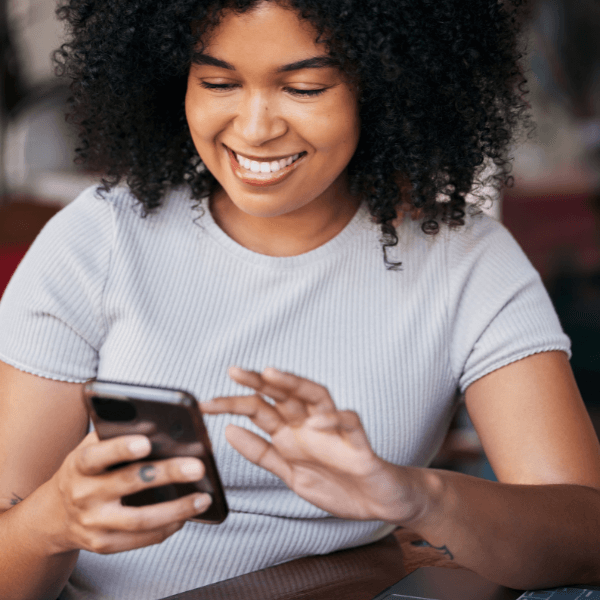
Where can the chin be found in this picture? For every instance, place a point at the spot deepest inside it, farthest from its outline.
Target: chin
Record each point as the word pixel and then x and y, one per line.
pixel 264 209
pixel 265 202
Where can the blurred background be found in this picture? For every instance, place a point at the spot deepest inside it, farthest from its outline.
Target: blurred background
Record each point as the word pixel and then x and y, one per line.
pixel 553 209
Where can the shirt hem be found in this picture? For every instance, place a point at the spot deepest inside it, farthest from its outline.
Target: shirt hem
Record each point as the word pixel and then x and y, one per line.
pixel 39 372
pixel 510 360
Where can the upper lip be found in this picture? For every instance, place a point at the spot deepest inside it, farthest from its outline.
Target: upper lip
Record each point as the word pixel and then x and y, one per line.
pixel 263 158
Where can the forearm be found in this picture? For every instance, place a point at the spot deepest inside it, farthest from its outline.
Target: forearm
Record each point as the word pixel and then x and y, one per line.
pixel 523 536
pixel 33 567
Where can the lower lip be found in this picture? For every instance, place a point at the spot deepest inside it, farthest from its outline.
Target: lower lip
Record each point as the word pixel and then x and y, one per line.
pixel 261 179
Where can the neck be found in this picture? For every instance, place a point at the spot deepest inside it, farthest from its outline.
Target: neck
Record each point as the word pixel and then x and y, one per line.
pixel 290 234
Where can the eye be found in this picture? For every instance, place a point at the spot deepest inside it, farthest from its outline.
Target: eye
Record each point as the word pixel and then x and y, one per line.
pixel 225 87
pixel 305 93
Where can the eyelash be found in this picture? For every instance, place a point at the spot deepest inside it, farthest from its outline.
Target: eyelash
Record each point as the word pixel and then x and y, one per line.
pixel 228 86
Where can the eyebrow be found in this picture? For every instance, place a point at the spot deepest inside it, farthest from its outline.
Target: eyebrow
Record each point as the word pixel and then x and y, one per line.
pixel 316 62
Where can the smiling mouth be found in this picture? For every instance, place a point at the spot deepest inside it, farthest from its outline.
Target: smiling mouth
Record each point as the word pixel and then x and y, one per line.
pixel 263 173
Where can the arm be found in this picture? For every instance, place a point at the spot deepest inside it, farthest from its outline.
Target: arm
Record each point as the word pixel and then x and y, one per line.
pixel 31 450
pixel 538 526
pixel 56 496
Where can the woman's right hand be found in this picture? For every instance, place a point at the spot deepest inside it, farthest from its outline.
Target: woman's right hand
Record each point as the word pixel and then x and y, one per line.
pixel 87 496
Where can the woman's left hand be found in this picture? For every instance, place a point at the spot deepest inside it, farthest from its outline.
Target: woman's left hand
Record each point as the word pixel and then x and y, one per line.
pixel 321 453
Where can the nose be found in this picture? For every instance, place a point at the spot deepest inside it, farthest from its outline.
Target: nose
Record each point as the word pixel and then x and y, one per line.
pixel 258 120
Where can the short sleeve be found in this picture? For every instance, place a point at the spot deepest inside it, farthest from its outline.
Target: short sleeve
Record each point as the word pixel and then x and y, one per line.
pixel 51 315
pixel 499 310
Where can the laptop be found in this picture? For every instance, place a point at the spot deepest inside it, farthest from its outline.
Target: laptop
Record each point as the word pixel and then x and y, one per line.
pixel 438 583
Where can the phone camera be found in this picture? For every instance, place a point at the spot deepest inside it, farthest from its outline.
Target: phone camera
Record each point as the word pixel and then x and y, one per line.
pixel 114 410
pixel 176 430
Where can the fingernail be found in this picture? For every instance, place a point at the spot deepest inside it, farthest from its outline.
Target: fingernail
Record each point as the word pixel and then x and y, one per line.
pixel 191 469
pixel 201 503
pixel 139 446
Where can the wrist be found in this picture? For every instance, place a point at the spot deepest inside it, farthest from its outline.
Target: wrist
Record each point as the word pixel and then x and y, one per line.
pixel 410 496
pixel 45 522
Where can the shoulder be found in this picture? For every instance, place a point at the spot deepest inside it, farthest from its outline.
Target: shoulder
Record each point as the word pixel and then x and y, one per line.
pixel 86 230
pixel 96 208
pixel 93 210
pixel 479 229
pixel 498 308
pixel 96 202
pixel 479 237
pixel 485 245
pixel 121 198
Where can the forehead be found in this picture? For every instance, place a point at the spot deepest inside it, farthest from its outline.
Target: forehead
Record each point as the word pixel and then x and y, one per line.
pixel 267 28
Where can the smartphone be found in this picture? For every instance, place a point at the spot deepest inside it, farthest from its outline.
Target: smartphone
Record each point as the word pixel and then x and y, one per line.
pixel 172 421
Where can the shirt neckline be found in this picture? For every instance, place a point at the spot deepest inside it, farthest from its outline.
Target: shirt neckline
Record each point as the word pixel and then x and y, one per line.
pixel 328 249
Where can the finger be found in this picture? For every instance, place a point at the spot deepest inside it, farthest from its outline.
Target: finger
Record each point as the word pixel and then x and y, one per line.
pixel 94 458
pixel 345 423
pixel 260 412
pixel 258 451
pixel 143 475
pixel 291 409
pixel 255 380
pixel 121 541
pixel 162 519
pixel 324 422
pixel 353 429
pixel 303 389
pixel 160 515
pixel 89 439
pixel 291 393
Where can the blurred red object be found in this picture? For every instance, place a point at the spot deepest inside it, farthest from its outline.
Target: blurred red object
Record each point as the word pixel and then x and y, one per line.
pixel 20 222
pixel 10 257
pixel 554 226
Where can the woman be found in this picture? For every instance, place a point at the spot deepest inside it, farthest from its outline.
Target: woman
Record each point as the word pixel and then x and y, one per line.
pixel 282 141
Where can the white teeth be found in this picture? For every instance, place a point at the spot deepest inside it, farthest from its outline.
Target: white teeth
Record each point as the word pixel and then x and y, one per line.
pixel 245 162
pixel 265 167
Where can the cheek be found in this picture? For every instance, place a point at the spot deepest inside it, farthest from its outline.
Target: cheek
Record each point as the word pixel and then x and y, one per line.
pixel 336 130
pixel 193 115
pixel 204 122
pixel 336 142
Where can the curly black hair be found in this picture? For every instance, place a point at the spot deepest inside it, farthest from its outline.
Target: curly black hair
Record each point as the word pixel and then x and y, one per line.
pixel 441 94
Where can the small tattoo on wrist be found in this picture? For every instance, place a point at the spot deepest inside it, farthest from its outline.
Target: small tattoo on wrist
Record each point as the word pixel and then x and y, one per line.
pixel 147 473
pixel 444 549
pixel 15 500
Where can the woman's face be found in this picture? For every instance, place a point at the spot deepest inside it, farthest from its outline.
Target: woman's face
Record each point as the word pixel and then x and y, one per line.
pixel 263 94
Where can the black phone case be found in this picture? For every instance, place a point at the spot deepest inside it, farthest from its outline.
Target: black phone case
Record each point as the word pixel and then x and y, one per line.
pixel 173 428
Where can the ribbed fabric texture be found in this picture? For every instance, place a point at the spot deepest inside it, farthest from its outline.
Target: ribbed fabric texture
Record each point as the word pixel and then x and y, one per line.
pixel 171 300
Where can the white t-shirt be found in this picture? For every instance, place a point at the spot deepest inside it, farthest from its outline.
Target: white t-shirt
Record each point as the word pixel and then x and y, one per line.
pixel 170 300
